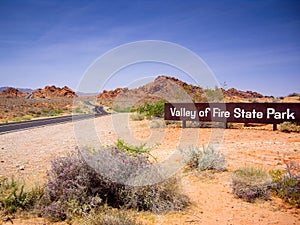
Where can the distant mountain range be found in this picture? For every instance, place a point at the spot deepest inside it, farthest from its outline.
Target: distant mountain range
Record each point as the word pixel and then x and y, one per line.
pixel 28 90
pixel 173 89
pixel 163 87
pixel 46 92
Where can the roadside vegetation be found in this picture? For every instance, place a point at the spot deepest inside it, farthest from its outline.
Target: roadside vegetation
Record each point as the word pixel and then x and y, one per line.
pixel 22 118
pixel 152 109
pixel 289 127
pixel 250 183
pixel 31 114
pixel 206 158
pixel 18 109
pixel 110 216
pixel 137 116
pixel 15 198
pixel 146 110
pixel 121 109
pixel 286 185
pixel 74 190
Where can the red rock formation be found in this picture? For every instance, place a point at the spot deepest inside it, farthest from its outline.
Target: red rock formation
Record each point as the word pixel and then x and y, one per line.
pixel 54 92
pixel 111 94
pixel 12 93
pixel 169 88
pixel 232 92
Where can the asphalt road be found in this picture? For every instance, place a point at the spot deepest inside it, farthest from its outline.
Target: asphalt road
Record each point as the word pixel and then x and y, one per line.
pixel 97 109
pixel 15 126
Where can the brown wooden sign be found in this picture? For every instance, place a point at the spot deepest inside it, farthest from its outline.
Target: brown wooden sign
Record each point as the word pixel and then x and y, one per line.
pixel 272 113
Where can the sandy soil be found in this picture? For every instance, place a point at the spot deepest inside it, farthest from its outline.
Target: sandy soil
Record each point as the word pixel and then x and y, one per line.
pixel 27 154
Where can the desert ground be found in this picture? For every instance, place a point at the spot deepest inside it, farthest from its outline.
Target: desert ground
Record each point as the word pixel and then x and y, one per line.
pixel 27 154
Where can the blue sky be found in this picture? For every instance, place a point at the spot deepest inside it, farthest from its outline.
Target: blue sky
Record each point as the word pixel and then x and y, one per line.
pixel 250 45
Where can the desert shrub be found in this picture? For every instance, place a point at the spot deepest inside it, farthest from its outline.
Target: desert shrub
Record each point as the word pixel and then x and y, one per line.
pixel 116 219
pixel 45 110
pixel 199 97
pixel 158 198
pixel 53 112
pixel 137 116
pixel 194 155
pixel 34 113
pixel 250 183
pixel 157 123
pixel 78 110
pixel 152 109
pixel 173 123
pixel 214 95
pixel 287 186
pixel 128 164
pixel 26 117
pixel 235 125
pixel 289 127
pixel 121 109
pixel 212 159
pixel 74 188
pixel 207 158
pixel 110 217
pixel 132 149
pixel 13 196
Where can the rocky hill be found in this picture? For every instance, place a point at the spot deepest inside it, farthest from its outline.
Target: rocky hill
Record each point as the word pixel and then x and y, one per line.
pixel 232 92
pixel 54 92
pixel 172 89
pixel 46 92
pixel 11 92
pixel 28 90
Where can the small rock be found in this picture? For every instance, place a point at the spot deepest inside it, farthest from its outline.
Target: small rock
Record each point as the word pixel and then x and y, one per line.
pixel 21 167
pixel 7 219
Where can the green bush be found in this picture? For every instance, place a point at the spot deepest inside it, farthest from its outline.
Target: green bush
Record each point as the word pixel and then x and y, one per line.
pixel 121 109
pixel 250 183
pixel 131 149
pixel 152 109
pixel 287 186
pixel 214 95
pixel 22 118
pixel 53 112
pixel 78 110
pixel 199 97
pixel 14 197
pixel 289 127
